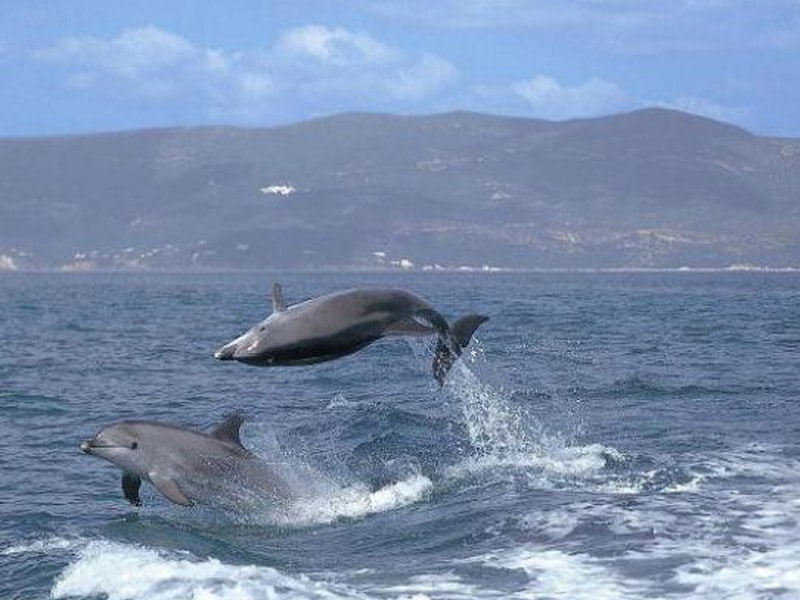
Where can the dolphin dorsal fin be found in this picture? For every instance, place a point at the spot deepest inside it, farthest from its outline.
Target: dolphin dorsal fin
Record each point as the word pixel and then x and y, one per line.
pixel 278 303
pixel 228 429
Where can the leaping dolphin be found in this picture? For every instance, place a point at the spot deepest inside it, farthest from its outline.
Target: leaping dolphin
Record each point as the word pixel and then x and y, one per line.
pixel 185 466
pixel 341 323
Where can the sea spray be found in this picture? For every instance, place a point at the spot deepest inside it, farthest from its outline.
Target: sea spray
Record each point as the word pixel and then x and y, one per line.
pixel 506 436
pixel 494 425
pixel 320 497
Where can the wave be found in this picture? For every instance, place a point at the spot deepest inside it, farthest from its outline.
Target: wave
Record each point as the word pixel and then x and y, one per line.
pixel 639 386
pixel 122 571
pixel 118 571
pixel 553 574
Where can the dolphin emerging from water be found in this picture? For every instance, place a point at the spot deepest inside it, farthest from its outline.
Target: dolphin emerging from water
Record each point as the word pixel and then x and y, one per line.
pixel 185 466
pixel 338 324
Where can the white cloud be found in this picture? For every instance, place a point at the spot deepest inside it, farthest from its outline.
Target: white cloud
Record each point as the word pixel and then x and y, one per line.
pixel 314 67
pixel 145 61
pixel 422 79
pixel 318 70
pixel 335 45
pixel 549 99
pixel 132 53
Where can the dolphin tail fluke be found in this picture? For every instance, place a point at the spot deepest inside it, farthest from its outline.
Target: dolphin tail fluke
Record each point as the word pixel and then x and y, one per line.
pixel 465 326
pixel 459 335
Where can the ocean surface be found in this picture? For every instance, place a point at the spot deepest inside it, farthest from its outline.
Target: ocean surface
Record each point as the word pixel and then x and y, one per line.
pixel 606 435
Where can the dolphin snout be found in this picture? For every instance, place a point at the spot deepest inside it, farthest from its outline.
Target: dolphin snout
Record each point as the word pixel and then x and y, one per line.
pixel 86 447
pixel 242 348
pixel 225 352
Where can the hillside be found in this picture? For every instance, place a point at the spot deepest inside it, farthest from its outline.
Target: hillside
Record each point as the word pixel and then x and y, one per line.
pixel 652 188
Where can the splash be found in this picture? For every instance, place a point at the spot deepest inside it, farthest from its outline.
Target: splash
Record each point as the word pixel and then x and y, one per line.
pixel 506 437
pixel 495 427
pixel 320 498
pixel 358 501
pixel 328 503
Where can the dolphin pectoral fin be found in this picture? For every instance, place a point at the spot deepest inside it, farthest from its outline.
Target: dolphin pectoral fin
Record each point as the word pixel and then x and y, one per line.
pixel 408 326
pixel 170 489
pixel 130 488
pixel 278 303
pixel 228 429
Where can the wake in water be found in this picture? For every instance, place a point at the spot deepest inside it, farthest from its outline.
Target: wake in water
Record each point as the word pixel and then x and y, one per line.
pixel 731 546
pixel 629 525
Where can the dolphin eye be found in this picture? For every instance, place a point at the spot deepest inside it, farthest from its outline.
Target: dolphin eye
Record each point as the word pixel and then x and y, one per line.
pixel 134 445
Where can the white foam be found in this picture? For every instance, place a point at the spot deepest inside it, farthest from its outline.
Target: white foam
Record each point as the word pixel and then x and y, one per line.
pixel 340 401
pixel 556 574
pixel 358 501
pixel 43 546
pixel 761 555
pixel 546 469
pixel 742 541
pixel 754 574
pixel 556 524
pixel 127 572
pixel 439 585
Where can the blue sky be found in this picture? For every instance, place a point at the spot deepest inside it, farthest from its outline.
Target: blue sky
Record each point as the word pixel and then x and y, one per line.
pixel 99 65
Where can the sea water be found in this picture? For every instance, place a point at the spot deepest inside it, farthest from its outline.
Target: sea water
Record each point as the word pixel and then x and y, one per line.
pixel 606 435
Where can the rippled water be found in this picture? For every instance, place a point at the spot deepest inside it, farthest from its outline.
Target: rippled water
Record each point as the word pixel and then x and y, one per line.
pixel 606 435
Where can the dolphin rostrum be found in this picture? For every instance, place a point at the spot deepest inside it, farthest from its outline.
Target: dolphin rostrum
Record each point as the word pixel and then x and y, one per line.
pixel 185 466
pixel 338 324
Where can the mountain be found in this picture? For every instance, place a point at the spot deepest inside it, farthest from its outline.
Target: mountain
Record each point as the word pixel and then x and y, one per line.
pixel 651 188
